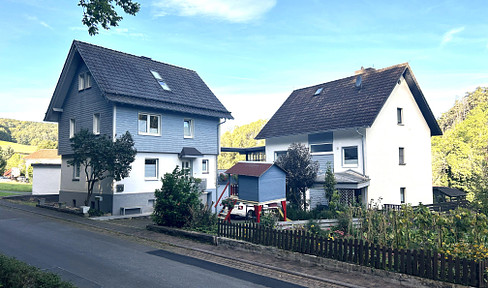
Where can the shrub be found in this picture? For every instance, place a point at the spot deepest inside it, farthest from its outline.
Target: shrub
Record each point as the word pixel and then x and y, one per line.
pixel 202 219
pixel 17 274
pixel 176 198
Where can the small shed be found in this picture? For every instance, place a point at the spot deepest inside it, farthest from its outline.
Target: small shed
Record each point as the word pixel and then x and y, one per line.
pixel 447 194
pixel 260 182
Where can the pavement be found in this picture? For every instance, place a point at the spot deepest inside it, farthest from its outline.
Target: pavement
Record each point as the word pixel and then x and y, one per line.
pixel 303 273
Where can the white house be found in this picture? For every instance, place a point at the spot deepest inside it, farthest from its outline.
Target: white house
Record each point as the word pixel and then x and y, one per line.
pixel 373 128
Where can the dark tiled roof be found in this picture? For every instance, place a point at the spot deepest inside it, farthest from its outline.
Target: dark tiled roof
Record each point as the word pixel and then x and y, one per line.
pixel 125 78
pixel 254 169
pixel 190 152
pixel 451 192
pixel 342 105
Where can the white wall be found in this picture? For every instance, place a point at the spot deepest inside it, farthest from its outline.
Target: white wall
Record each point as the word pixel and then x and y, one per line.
pixel 136 182
pixel 383 140
pixel 347 138
pixel 282 144
pixel 46 180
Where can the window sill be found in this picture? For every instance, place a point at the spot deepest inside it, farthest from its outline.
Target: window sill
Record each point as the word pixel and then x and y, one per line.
pixel 77 180
pixel 205 172
pixel 400 124
pixel 148 134
pixel 187 137
pixel 402 164
pixel 151 179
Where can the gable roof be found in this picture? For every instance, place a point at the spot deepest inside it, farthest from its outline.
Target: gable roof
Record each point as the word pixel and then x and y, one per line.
pixel 340 104
pixel 44 154
pixel 253 169
pixel 127 79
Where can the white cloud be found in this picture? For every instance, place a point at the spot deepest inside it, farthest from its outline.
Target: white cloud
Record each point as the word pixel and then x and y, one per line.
pixel 232 11
pixel 448 36
pixel 40 22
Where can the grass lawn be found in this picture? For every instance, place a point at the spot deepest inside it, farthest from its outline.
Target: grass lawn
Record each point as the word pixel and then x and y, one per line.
pixel 7 194
pixel 16 187
pixel 18 148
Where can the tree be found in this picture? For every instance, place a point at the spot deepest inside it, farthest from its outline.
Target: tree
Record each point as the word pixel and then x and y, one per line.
pixel 239 137
pixel 3 161
pixel 102 12
pixel 329 183
pixel 101 157
pixel 176 199
pixel 301 173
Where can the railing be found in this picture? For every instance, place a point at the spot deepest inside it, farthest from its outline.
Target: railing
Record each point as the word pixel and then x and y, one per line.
pixel 426 264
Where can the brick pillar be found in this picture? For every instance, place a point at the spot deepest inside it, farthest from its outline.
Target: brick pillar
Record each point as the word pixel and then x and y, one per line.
pixel 257 209
pixel 283 204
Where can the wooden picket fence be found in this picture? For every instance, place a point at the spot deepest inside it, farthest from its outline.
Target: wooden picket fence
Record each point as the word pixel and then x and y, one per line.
pixel 426 264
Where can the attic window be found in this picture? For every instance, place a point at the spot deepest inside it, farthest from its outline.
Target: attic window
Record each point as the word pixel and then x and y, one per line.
pixel 318 91
pixel 160 80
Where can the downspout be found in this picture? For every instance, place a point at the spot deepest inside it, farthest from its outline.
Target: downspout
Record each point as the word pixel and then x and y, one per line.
pixel 362 150
pixel 364 167
pixel 217 162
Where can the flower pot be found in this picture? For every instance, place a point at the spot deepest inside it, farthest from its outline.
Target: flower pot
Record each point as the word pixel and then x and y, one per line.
pixel 85 209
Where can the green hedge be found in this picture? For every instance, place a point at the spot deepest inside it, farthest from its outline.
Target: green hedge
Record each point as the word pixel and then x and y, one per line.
pixel 14 273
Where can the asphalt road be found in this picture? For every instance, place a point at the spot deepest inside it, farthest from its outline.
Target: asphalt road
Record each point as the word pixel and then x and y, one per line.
pixel 91 259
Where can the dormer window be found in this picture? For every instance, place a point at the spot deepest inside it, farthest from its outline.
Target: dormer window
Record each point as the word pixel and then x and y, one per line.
pixel 84 81
pixel 160 80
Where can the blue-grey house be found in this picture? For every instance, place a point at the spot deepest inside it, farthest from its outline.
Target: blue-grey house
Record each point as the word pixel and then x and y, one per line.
pixel 172 115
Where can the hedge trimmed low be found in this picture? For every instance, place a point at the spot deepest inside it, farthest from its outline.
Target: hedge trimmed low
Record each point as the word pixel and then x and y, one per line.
pixel 14 273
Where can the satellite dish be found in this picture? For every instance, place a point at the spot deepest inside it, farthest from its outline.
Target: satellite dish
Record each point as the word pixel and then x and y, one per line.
pixel 359 81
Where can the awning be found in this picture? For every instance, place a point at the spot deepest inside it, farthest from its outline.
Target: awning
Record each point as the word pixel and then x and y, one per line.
pixel 189 152
pixel 349 179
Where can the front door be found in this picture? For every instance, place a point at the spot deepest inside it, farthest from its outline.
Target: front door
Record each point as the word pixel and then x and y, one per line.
pixel 187 164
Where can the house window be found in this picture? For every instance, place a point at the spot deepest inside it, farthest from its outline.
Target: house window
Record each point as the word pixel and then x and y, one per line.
pixel 350 156
pixel 401 156
pixel 72 128
pixel 149 124
pixel 96 123
pixel 188 128
pixel 205 166
pixel 321 148
pixel 76 172
pixel 160 80
pixel 402 195
pixel 84 81
pixel 151 169
pixel 400 116
pixel 278 154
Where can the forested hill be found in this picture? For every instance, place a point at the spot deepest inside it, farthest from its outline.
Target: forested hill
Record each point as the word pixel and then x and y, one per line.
pixel 44 135
pixel 459 157
pixel 462 107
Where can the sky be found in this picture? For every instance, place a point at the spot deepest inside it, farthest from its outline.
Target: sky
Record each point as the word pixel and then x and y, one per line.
pixel 253 53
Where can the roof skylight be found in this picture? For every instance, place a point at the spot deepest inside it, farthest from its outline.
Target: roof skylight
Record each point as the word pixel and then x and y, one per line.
pixel 318 91
pixel 160 80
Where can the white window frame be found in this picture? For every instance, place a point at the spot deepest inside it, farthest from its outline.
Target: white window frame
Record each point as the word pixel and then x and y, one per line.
pixel 322 153
pixel 148 124
pixel 96 123
pixel 205 168
pixel 76 171
pixel 344 164
pixel 155 177
pixel 190 121
pixel 400 116
pixel 401 156
pixel 72 128
pixel 81 82
pixel 279 153
pixel 403 195
pixel 84 81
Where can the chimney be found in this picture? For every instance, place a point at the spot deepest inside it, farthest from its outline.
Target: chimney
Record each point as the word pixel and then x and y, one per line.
pixel 362 70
